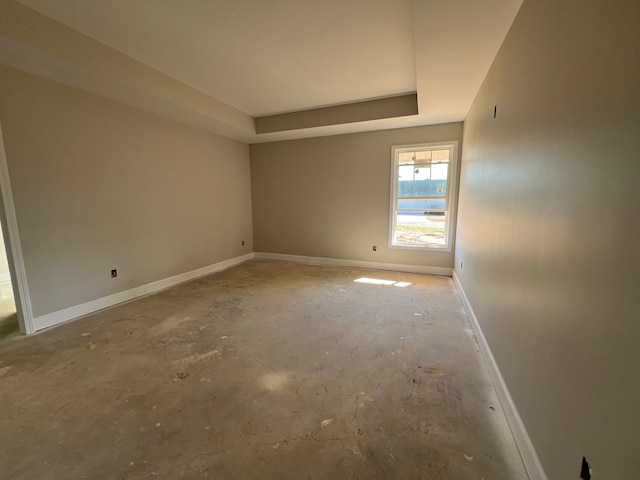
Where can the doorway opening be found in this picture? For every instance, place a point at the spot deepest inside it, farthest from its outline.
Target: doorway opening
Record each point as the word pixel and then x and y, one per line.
pixel 14 291
pixel 9 325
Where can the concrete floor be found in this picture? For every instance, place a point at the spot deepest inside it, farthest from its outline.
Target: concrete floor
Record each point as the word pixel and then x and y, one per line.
pixel 269 370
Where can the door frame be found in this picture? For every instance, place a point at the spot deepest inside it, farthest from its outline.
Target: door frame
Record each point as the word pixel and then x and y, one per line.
pixel 13 247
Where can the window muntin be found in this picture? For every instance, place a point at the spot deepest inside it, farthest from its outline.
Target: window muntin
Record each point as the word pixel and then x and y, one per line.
pixel 421 196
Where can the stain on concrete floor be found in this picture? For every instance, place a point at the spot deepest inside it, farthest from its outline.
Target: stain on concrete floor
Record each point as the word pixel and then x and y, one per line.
pixel 269 370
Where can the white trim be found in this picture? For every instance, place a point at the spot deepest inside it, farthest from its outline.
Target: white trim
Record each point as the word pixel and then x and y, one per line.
pixel 338 262
pixel 523 441
pixel 452 189
pixel 20 288
pixel 76 311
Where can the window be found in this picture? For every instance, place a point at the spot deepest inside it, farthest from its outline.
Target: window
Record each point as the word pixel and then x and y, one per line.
pixel 422 195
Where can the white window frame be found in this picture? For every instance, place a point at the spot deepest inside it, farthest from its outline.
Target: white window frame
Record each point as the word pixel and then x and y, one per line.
pixel 452 190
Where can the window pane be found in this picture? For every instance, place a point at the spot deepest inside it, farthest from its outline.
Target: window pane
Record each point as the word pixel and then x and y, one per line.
pixel 405 157
pixel 423 180
pixel 440 155
pixel 420 230
pixel 412 157
pixel 438 183
pixel 423 155
pixel 421 204
pixel 413 180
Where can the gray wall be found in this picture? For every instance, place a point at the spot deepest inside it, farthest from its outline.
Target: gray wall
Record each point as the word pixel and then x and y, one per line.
pixel 329 196
pixel 548 229
pixel 99 185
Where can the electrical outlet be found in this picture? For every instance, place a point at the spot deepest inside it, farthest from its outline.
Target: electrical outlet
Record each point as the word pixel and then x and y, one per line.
pixel 114 273
pixel 375 248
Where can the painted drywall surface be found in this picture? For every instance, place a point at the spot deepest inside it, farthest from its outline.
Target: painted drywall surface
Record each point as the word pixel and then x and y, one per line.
pixel 37 44
pixel 548 229
pixel 98 185
pixel 329 196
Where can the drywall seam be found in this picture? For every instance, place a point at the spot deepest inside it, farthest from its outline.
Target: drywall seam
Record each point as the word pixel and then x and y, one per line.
pixel 23 300
pixel 71 313
pixel 355 263
pixel 523 441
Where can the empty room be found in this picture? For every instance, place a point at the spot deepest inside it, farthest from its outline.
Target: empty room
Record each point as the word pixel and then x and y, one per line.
pixel 285 239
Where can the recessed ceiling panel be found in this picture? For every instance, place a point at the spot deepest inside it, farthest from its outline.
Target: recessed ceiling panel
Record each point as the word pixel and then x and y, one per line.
pixel 263 57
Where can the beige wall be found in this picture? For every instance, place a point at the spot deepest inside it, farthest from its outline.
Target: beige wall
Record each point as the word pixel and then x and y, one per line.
pixel 549 226
pixel 99 185
pixel 329 196
pixel 35 43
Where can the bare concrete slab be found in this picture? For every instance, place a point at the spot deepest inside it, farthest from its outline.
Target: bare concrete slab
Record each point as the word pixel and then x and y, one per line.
pixel 269 370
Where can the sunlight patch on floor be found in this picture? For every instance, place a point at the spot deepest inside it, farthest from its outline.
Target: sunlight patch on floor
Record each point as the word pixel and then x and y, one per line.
pixel 379 281
pixel 273 381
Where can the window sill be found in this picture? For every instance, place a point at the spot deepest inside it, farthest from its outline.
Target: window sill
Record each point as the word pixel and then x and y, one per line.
pixel 426 248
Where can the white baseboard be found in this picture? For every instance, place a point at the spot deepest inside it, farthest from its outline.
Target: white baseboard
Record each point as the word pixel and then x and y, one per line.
pixel 70 313
pixel 355 263
pixel 523 441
